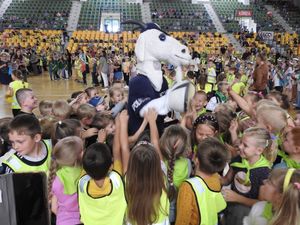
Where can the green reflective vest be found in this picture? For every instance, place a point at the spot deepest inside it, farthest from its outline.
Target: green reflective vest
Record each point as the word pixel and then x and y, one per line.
pixel 209 202
pixel 109 209
pixel 21 165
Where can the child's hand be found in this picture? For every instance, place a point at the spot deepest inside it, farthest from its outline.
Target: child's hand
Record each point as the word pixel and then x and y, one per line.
pixel 89 133
pixel 151 115
pixel 101 136
pixel 233 126
pixel 124 117
pixel 230 196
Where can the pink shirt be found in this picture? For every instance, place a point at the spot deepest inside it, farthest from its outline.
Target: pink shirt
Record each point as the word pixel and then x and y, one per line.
pixel 68 209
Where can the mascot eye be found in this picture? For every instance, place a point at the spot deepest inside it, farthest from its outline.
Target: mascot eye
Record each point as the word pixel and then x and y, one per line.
pixel 162 37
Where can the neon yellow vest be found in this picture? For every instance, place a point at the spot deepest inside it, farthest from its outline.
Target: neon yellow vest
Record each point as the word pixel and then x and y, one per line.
pixel 16 85
pixel 104 210
pixel 211 79
pixel 209 203
pixel 19 165
pixel 238 88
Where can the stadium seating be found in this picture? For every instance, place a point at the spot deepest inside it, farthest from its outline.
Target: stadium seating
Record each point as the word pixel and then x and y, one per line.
pixel 37 14
pixel 208 42
pixel 40 39
pixel 91 12
pixel 226 10
pixel 181 16
pixel 290 13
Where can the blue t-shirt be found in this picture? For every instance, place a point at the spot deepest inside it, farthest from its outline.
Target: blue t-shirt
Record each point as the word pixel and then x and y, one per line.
pixel 140 93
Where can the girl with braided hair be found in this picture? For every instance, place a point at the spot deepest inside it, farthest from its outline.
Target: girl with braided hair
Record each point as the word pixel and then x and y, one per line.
pixel 64 174
pixel 174 146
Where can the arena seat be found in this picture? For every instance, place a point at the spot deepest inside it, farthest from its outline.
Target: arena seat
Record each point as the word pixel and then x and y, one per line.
pixel 181 16
pixel 205 42
pixel 91 12
pixel 40 39
pixel 226 10
pixel 37 14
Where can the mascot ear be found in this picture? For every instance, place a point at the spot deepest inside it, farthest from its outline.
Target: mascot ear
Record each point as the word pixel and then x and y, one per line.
pixel 140 48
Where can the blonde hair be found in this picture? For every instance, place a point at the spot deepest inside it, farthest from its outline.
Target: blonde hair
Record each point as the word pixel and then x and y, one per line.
pixel 61 109
pixel 173 144
pixel 263 140
pixel 267 110
pixel 86 111
pixel 66 152
pixel 289 208
pixel 45 107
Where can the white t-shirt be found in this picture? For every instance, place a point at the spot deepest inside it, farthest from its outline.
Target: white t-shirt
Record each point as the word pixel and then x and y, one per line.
pixel 255 216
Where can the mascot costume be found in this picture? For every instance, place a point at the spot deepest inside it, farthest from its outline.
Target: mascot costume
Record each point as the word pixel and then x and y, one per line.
pixel 149 89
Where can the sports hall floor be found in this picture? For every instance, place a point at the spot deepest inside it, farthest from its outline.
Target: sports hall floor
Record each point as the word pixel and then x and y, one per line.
pixel 44 89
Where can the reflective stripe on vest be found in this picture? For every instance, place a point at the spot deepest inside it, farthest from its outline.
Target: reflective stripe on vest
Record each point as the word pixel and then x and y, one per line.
pixel 102 208
pixel 209 203
pixel 19 165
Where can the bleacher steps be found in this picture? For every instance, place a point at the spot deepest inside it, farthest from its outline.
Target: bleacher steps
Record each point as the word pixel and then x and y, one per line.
pixel 235 43
pixel 146 12
pixel 279 19
pixel 215 19
pixel 74 15
pixel 4 6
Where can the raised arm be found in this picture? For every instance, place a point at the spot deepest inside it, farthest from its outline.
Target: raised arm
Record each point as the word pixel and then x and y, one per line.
pixel 116 143
pixel 242 103
pixel 124 137
pixel 151 117
pixel 132 139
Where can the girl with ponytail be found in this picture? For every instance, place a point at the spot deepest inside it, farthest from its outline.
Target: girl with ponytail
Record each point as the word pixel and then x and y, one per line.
pixel 174 145
pixel 64 174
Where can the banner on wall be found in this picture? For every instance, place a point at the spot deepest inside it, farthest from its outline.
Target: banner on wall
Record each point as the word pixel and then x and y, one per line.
pixel 266 35
pixel 244 13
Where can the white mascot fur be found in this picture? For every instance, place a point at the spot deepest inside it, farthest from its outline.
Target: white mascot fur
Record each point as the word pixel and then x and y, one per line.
pixel 149 89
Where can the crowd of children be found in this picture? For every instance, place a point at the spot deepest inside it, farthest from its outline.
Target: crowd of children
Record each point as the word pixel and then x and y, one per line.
pixel 233 158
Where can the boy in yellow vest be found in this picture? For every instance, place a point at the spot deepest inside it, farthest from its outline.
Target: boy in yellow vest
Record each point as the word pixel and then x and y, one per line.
pixel 29 152
pixel 101 191
pixel 199 199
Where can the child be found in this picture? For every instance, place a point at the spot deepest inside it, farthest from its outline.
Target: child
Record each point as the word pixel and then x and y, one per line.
pixel 66 128
pixel 199 198
pixel 104 124
pixel 220 96
pixel 102 184
pixel 27 101
pixel 29 152
pixel 291 146
pixel 47 125
pixel 18 83
pixel 145 186
pixel 78 98
pixel 247 173
pixel 45 108
pixel 238 86
pixel 277 200
pixel 290 203
pixel 92 92
pixel 197 108
pixel 174 147
pixel 64 174
pixel 99 103
pixel 204 126
pixel 4 139
pixel 115 96
pixel 61 110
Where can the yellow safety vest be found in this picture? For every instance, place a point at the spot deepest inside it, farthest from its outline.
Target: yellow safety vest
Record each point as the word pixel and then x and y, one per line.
pixel 211 79
pixel 16 85
pixel 209 202
pixel 21 165
pixel 109 209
